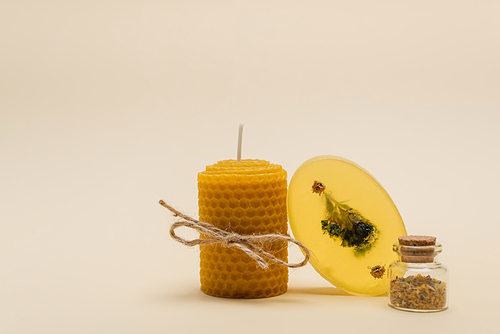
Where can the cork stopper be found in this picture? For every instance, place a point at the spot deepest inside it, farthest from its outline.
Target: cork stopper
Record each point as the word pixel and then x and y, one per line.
pixel 417 248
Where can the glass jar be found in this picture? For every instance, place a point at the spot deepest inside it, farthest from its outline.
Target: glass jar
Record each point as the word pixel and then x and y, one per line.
pixel 418 281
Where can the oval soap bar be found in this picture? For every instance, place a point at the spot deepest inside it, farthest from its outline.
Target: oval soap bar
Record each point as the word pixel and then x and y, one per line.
pixel 348 221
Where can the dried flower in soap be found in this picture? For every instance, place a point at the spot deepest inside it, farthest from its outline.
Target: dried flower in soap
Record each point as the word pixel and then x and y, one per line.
pixel 318 188
pixel 345 223
pixel 377 271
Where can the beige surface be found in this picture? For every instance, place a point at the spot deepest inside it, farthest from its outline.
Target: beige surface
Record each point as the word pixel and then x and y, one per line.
pixel 106 107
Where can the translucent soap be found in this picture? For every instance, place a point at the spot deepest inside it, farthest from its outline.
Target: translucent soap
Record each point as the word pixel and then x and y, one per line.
pixel 348 221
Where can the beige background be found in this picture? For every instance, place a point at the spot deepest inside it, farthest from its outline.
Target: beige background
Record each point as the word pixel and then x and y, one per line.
pixel 108 106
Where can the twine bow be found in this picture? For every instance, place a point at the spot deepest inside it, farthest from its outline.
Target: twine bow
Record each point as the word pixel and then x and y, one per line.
pixel 246 243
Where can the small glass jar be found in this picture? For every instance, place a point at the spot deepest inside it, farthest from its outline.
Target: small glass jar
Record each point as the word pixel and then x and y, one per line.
pixel 418 281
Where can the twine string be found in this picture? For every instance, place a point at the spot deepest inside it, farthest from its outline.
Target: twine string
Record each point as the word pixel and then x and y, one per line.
pixel 246 243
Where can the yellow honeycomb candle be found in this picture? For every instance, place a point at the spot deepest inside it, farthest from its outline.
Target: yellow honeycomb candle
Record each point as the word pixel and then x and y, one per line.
pixel 246 197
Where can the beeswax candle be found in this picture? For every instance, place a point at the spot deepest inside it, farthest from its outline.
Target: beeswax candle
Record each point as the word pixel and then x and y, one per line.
pixel 246 197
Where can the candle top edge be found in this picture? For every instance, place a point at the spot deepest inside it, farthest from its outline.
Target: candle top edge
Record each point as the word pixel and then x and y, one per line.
pixel 247 166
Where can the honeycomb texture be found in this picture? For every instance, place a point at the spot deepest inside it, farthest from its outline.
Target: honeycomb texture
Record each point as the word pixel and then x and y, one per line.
pixel 246 197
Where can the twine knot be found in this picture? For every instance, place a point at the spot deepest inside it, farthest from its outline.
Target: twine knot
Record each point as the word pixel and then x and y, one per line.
pixel 246 243
pixel 231 238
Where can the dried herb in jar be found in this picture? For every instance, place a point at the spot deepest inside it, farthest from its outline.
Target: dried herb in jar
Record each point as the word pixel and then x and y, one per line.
pixel 418 292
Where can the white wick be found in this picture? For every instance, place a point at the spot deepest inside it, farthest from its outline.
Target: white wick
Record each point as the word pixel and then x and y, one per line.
pixel 240 138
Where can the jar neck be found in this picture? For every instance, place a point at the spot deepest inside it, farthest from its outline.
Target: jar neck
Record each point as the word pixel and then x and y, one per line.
pixel 433 263
pixel 418 254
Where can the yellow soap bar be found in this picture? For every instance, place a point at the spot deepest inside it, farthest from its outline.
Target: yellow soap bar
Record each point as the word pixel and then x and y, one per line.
pixel 348 221
pixel 246 197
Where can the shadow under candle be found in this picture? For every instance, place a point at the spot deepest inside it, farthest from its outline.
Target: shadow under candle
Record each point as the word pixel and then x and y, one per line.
pixel 332 291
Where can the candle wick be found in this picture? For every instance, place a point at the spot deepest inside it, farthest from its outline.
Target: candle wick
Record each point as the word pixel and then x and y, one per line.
pixel 240 139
